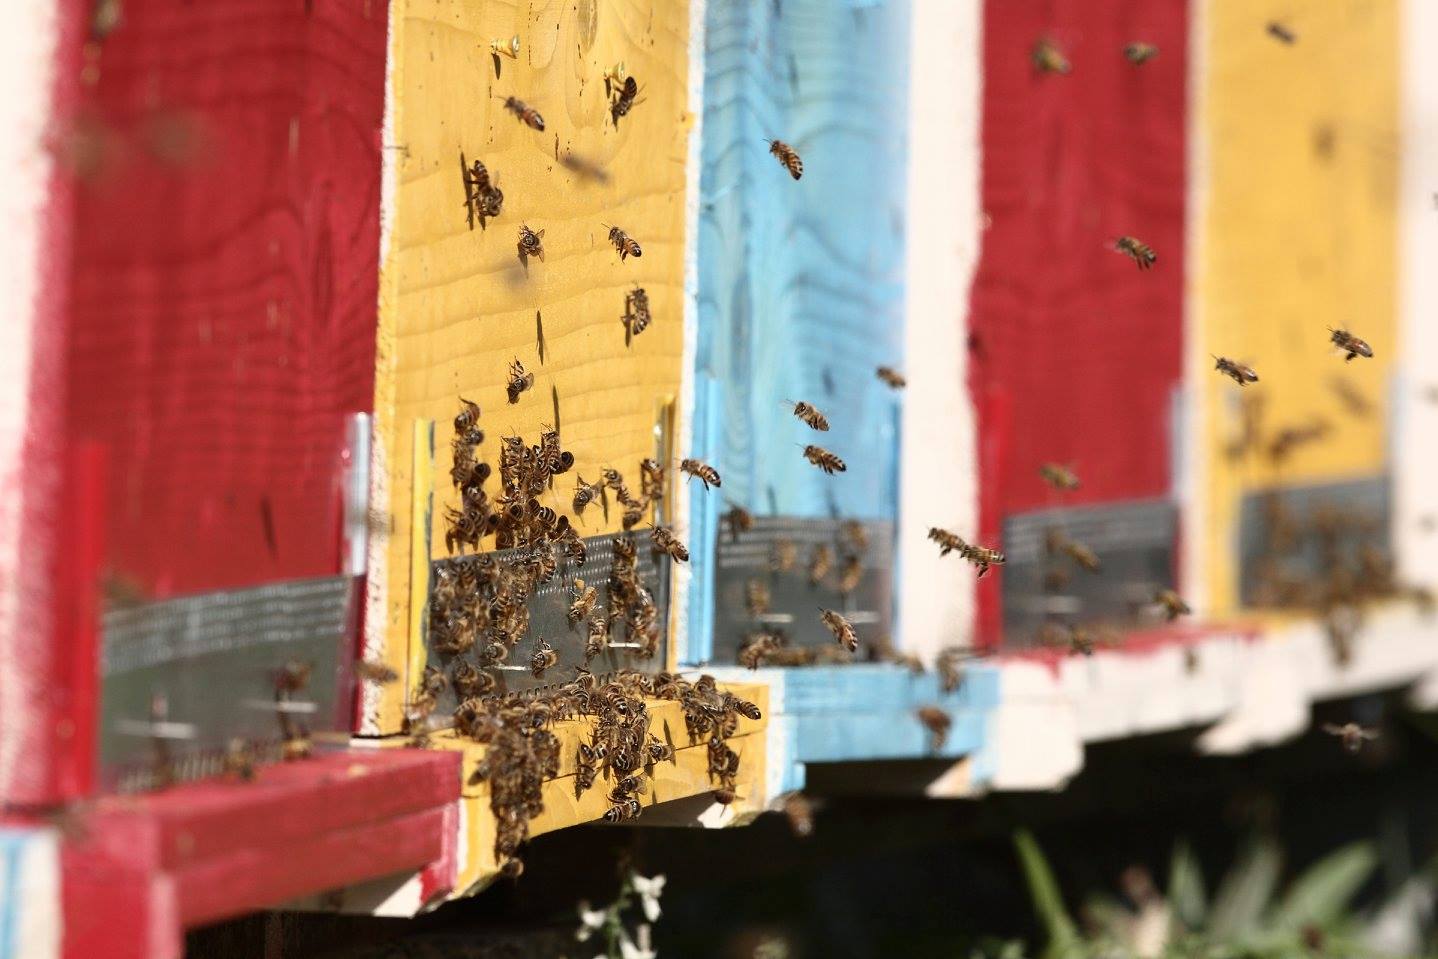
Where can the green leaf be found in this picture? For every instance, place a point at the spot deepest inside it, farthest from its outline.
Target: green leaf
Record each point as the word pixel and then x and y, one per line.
pixel 1245 891
pixel 1048 902
pixel 1322 893
pixel 1186 894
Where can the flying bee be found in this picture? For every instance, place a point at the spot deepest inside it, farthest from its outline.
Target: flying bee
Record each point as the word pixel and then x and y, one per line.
pixel 377 673
pixel 757 597
pixel 891 377
pixel 1140 252
pixel 782 555
pixel 527 114
pixel 666 542
pixel 811 417
pixel 787 158
pixel 937 722
pixel 1139 53
pixel 800 813
pixel 823 459
pixel 842 629
pixel 519 380
pixel 1172 603
pixel 757 648
pixel 821 562
pixel 850 575
pixel 698 469
pixel 583 602
pixel 467 417
pixel 1081 554
pixel 948 663
pixel 1349 344
pixel 544 658
pixel 636 316
pixel 1242 375
pixel 530 244
pixel 983 557
pixel 1048 58
pixel 1352 734
pixel 948 542
pixel 624 243
pixel 1059 477
pixel 624 100
pixel 1281 33
pixel 584 494
pixel 739 519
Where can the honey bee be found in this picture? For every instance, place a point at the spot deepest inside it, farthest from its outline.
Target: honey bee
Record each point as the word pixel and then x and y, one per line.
pixel 634 513
pixel 1172 603
pixel 782 555
pixel 951 673
pixel 757 597
pixel 823 459
pixel 1349 344
pixel 1059 477
pixel 980 556
pixel 666 542
pixel 544 658
pixel 891 377
pixel 239 760
pixel 467 417
pixel 519 380
pixel 1352 734
pixel 598 640
pixel 850 575
pixel 624 100
pixel 636 316
pixel 482 197
pixel 821 562
pixel 377 673
pixel 527 114
pixel 800 813
pixel 658 751
pixel 513 867
pixel 1139 53
pixel 1081 554
pixel 1048 58
pixel 1281 33
pixel 725 795
pixel 787 158
pixel 530 244
pixel 293 676
pixel 626 246
pixel 586 768
pixel 1242 375
pixel 584 494
pixel 698 469
pixel 937 722
pixel 983 558
pixel 948 542
pixel 583 603
pixel 857 536
pixel 811 417
pixel 757 648
pixel 739 520
pixel 651 479
pixel 1140 252
pixel 841 628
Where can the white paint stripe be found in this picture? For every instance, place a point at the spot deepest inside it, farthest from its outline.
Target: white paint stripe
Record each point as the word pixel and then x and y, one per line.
pixel 29 894
pixel 1414 419
pixel 939 482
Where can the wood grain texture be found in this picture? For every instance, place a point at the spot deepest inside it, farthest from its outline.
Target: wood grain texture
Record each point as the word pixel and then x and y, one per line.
pixel 1074 353
pixel 224 279
pixel 1299 234
pixel 800 282
pixel 464 306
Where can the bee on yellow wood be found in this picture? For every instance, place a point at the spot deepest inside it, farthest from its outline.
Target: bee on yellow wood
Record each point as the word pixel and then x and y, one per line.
pixel 1134 248
pixel 1242 375
pixel 842 629
pixel 1352 734
pixel 651 479
pixel 788 158
pixel 1139 53
pixel 1281 33
pixel 483 198
pixel 584 494
pixel 821 561
pixel 636 318
pixel 1059 477
pixel 530 244
pixel 624 243
pixel 811 417
pixel 666 542
pixel 586 768
pixel 782 555
pixel 891 377
pixel 937 722
pixel 698 469
pixel 1349 344
pixel 825 460
pixel 527 114
pixel 625 99
pixel 467 417
pixel 1048 58
pixel 1172 604
pixel 519 380
pixel 950 668
pixel 739 520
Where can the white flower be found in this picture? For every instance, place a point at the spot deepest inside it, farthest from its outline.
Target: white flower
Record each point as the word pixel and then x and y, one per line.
pixel 627 948
pixel 649 892
pixel 591 920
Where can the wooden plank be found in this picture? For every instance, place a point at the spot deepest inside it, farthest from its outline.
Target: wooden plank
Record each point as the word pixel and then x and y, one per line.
pixel 463 304
pixel 1272 276
pixel 1074 354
